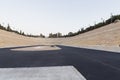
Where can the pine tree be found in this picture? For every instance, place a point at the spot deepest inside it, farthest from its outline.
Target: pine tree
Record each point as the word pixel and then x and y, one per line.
pixel 8 28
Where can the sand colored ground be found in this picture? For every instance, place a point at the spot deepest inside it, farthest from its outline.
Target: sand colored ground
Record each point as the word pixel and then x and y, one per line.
pixel 105 36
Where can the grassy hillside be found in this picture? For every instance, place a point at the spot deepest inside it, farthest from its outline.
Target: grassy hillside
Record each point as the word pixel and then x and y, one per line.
pixel 108 35
pixel 12 39
pixel 105 34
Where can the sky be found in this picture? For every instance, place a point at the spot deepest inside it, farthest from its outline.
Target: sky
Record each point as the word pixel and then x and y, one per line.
pixel 46 16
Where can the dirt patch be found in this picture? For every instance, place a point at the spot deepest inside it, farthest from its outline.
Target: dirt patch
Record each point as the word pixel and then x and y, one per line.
pixel 37 48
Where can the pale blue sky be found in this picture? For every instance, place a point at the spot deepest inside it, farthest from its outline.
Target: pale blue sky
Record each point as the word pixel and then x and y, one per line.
pixel 45 16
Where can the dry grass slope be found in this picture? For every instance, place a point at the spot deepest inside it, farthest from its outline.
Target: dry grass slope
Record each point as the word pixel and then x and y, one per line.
pixel 106 36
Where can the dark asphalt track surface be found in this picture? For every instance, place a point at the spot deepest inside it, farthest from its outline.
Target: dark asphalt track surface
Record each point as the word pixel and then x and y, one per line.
pixel 93 64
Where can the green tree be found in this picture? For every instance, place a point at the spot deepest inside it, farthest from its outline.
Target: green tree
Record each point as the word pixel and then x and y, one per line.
pixel 41 35
pixel 59 34
pixel 8 28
